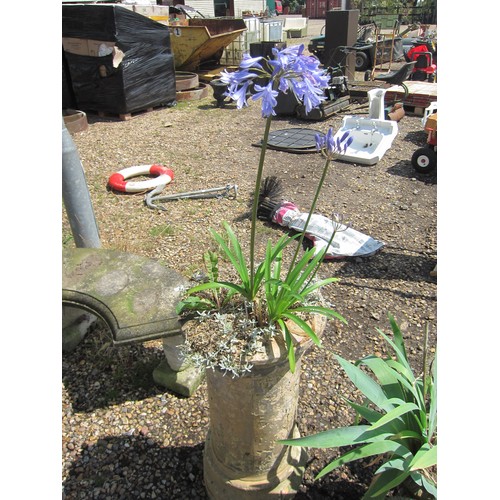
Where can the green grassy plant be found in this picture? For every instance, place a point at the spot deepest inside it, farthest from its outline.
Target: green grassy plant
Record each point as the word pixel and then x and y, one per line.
pixel 401 414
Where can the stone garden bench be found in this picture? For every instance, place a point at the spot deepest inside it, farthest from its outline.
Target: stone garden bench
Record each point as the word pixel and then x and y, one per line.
pixel 134 296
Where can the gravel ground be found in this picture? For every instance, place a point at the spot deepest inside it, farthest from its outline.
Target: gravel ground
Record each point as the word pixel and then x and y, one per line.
pixel 125 437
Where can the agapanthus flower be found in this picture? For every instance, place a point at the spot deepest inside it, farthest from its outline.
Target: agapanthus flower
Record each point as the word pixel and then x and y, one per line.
pixel 249 62
pixel 238 83
pixel 268 96
pixel 338 223
pixel 289 70
pixel 332 147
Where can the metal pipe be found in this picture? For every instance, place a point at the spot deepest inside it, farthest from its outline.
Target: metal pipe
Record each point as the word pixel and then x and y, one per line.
pixel 219 192
pixel 76 196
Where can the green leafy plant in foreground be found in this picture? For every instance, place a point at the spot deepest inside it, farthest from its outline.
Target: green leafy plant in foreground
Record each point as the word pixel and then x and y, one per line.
pixel 401 411
pixel 272 300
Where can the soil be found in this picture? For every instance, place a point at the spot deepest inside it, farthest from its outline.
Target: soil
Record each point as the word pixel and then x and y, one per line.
pixel 115 418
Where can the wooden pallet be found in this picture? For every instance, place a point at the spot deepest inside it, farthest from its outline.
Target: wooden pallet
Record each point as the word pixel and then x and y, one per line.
pixel 359 89
pixel 420 94
pixel 124 116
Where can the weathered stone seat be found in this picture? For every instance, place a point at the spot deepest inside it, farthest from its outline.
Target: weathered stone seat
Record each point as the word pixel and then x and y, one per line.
pixel 135 296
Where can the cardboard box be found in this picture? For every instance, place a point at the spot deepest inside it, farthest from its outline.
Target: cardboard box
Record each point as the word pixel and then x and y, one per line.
pixel 432 122
pixel 147 82
pixel 152 10
pixel 78 46
pixel 86 47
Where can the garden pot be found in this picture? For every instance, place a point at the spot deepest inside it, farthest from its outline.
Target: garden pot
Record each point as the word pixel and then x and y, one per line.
pixel 219 88
pixel 248 415
pixel 75 121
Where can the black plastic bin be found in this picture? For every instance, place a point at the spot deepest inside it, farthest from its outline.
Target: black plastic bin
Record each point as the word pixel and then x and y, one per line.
pixel 265 49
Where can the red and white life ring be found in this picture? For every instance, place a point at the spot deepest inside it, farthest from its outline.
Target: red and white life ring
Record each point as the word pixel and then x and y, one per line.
pixel 118 179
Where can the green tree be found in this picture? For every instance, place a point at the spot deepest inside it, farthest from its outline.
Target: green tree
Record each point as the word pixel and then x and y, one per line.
pixel 294 5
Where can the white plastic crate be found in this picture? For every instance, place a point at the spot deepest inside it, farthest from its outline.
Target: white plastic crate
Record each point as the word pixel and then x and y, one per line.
pixel 233 53
pixel 271 31
pixel 252 37
pixel 252 23
pixel 232 57
pixel 432 108
pixel 244 40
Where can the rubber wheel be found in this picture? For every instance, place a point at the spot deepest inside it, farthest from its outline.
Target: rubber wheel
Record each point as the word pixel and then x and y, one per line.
pixel 368 75
pixel 362 61
pixel 424 160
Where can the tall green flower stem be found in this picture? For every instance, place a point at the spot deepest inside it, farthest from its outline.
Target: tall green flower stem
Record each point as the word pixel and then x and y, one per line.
pixel 311 210
pixel 255 203
pixel 331 148
pixel 275 300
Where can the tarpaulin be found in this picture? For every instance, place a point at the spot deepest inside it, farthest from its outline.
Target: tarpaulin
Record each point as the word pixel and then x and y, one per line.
pixel 119 61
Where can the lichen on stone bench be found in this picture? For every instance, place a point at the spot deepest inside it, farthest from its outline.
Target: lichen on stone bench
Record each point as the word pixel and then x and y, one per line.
pixel 133 295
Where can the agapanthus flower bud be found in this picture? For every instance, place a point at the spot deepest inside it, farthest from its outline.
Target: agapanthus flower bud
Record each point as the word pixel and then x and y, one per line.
pixel 332 147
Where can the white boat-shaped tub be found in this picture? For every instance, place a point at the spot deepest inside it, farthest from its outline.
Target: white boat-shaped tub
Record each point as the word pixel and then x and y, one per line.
pixel 372 135
pixel 371 138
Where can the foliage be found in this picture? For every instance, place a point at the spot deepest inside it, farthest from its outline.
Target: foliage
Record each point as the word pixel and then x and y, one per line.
pixel 294 5
pixel 273 300
pixel 163 230
pixel 400 411
pixel 272 295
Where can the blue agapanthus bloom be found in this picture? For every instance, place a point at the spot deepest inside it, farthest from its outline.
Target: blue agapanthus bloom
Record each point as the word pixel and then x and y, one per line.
pixel 332 147
pixel 289 70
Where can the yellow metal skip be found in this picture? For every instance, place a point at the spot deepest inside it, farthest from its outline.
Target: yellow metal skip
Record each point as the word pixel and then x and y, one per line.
pixel 202 40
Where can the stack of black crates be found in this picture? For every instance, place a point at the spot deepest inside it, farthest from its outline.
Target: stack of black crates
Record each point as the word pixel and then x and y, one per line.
pixel 115 60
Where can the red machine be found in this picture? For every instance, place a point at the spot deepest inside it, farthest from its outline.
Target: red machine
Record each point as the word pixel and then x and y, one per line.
pixel 425 68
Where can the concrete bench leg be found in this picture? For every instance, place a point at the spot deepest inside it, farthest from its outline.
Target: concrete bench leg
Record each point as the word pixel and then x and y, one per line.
pixel 175 372
pixel 76 323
